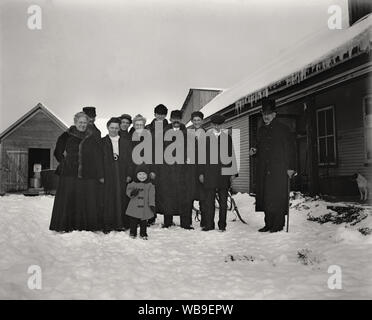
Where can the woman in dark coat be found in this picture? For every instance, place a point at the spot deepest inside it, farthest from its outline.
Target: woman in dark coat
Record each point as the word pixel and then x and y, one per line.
pixel 76 205
pixel 117 154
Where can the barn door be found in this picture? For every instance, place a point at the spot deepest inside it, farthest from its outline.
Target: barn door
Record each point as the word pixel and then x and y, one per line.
pixel 17 170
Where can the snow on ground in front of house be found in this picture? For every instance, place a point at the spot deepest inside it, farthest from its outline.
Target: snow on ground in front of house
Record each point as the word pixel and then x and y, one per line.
pixel 179 264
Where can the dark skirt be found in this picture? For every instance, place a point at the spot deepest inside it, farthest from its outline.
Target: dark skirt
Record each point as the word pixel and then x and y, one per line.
pixel 64 209
pixel 77 205
pixel 113 200
pixel 89 205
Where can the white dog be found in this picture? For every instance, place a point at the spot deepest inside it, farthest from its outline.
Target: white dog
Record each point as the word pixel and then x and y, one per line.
pixel 362 186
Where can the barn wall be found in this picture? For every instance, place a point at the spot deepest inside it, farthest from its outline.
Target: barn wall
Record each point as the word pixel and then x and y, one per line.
pixel 241 184
pixel 37 132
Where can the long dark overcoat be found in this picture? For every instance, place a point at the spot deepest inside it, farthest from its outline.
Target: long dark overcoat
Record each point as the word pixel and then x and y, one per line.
pixel 172 189
pixel 115 174
pixel 275 155
pixel 76 205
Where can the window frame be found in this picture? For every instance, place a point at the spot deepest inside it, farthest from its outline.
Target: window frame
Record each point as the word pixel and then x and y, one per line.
pixel 334 135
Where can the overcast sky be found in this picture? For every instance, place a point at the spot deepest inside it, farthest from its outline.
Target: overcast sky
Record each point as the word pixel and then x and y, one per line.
pixel 129 56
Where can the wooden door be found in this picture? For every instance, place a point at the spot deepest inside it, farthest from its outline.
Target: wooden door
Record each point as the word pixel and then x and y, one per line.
pixel 17 170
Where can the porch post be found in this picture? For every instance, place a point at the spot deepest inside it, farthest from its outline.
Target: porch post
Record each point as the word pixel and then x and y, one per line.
pixel 313 169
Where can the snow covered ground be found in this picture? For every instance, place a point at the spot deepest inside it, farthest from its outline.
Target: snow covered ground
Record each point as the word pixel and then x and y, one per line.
pixel 179 264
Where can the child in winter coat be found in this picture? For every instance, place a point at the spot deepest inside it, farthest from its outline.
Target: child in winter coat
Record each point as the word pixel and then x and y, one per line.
pixel 142 202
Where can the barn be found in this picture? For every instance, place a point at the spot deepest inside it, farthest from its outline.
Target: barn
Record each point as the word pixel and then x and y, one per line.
pixel 30 140
pixel 323 93
pixel 196 99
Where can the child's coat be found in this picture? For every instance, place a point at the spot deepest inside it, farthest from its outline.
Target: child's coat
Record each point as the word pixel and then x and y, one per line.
pixel 139 206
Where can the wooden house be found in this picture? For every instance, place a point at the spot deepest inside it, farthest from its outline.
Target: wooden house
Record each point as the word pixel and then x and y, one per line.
pixel 323 93
pixel 30 140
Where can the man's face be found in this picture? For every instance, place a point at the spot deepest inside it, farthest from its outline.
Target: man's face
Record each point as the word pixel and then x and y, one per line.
pixel 197 122
pixel 125 123
pixel 268 117
pixel 160 117
pixel 176 123
pixel 216 127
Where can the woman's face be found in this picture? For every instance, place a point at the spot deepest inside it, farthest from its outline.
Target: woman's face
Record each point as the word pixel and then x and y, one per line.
pixel 139 125
pixel 124 124
pixel 81 124
pixel 113 129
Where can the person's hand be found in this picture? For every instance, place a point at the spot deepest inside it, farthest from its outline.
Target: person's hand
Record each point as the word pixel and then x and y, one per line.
pixel 290 173
pixel 101 180
pixel 252 151
pixel 134 192
pixel 129 179
pixel 152 175
pixel 201 178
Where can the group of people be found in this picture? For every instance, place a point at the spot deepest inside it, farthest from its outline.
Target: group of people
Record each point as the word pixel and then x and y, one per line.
pixel 102 188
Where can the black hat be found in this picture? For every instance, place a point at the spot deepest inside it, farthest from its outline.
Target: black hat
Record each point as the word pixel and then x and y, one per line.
pixel 90 111
pixel 161 109
pixel 126 116
pixel 217 119
pixel 268 105
pixel 176 114
pixel 197 114
pixel 142 168
pixel 114 120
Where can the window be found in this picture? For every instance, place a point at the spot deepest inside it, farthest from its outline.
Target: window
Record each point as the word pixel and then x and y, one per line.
pixel 326 136
pixel 367 114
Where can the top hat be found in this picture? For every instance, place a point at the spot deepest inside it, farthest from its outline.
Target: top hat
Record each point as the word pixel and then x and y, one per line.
pixel 268 106
pixel 90 111
pixel 217 119
pixel 176 114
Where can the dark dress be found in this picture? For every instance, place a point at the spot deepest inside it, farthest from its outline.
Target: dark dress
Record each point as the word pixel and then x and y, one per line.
pixel 76 204
pixel 116 172
pixel 275 155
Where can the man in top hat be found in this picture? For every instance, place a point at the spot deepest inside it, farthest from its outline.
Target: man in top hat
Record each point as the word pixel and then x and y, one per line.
pixel 125 132
pixel 275 154
pixel 213 177
pixel 91 113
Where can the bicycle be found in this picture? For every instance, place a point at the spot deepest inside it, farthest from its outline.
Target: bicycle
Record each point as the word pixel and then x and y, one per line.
pixel 231 206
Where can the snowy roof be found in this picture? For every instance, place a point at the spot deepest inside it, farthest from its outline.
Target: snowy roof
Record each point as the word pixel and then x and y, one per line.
pixel 29 114
pixel 311 57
